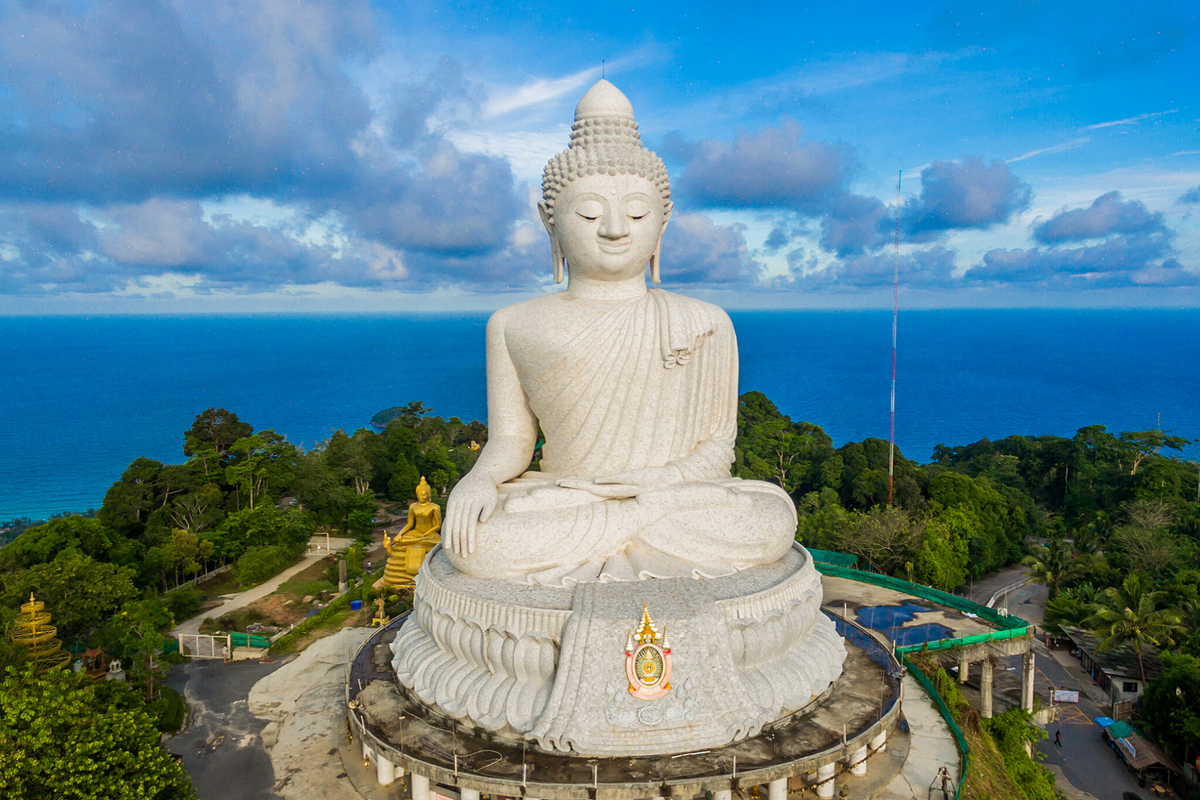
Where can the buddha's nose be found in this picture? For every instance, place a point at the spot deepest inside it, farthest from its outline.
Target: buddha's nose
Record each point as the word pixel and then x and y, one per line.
pixel 614 225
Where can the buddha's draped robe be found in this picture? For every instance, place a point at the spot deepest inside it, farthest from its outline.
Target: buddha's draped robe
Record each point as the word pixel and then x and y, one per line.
pixel 651 382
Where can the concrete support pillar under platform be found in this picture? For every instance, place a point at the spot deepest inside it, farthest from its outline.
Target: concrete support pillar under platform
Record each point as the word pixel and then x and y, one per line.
pixel 1027 674
pixel 825 780
pixel 964 668
pixel 858 761
pixel 468 794
pixel 385 770
pixel 420 787
pixel 777 790
pixel 986 668
pixel 879 742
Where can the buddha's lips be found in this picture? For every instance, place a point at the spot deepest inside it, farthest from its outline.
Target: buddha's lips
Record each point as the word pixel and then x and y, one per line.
pixel 616 249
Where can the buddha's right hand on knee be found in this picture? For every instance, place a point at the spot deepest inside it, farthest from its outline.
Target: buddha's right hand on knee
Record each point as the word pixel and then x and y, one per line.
pixel 472 500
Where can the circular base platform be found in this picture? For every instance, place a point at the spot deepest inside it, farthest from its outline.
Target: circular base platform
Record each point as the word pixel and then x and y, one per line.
pixel 847 723
pixel 640 667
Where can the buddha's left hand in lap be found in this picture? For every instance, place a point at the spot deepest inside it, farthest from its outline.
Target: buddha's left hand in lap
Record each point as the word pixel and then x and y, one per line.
pixel 625 484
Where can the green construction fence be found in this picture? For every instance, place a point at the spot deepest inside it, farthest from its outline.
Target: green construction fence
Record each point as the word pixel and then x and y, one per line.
pixel 840 565
pixel 246 640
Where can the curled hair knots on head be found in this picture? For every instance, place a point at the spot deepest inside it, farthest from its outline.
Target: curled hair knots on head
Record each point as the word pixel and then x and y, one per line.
pixel 615 154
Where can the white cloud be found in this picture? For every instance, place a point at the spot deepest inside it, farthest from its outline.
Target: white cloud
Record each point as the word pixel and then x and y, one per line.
pixel 1058 148
pixel 1128 120
pixel 504 100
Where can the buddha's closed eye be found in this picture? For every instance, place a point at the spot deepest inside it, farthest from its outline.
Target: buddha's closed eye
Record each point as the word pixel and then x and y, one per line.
pixel 589 210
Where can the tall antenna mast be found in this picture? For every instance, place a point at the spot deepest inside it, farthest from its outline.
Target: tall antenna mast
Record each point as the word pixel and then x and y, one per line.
pixel 895 311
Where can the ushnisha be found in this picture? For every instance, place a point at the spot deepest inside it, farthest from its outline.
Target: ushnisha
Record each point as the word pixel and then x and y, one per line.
pixel 634 389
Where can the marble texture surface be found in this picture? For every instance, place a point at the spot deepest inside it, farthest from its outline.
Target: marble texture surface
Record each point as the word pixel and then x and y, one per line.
pixel 548 664
pixel 523 616
pixel 634 389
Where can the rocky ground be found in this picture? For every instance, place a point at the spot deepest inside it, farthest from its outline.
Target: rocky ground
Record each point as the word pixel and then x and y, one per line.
pixel 303 704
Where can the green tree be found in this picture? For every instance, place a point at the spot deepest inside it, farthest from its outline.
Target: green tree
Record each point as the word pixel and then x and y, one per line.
pixel 1171 704
pixel 995 531
pixel 258 462
pixel 1129 615
pixel 62 738
pixel 184 552
pixel 942 558
pixel 198 510
pixel 79 593
pixel 346 457
pixel 402 485
pixel 137 633
pixel 864 477
pixel 1051 564
pixel 770 447
pixel 215 427
pixel 129 502
pixel 1145 540
pixel 1012 731
pixel 260 563
pixel 44 543
pixel 822 522
pixel 262 526
pixel 1071 608
pixel 886 538
pixel 1136 446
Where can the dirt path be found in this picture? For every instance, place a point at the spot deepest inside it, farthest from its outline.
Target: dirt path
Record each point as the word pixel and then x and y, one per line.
pixel 245 598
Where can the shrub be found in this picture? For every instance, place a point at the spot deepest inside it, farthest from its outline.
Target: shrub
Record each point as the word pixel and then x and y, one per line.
pixel 184 602
pixel 1010 731
pixel 168 710
pixel 260 563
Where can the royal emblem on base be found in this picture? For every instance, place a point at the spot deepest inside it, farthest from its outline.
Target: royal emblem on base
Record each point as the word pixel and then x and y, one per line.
pixel 648 660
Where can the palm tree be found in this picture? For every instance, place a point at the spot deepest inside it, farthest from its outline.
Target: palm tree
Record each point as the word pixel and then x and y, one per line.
pixel 1128 615
pixel 1051 564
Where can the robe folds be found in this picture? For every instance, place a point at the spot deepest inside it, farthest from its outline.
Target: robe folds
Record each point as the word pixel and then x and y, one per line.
pixel 651 382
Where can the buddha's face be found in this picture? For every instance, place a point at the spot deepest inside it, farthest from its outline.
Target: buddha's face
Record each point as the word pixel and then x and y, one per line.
pixel 422 494
pixel 608 226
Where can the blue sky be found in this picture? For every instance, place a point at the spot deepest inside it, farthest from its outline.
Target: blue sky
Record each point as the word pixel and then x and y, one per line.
pixel 270 155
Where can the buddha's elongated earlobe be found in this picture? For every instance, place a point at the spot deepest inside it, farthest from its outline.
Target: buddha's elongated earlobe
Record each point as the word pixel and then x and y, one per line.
pixel 656 259
pixel 556 254
pixel 560 263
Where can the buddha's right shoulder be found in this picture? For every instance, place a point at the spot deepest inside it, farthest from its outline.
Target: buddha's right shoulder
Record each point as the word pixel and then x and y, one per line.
pixel 527 312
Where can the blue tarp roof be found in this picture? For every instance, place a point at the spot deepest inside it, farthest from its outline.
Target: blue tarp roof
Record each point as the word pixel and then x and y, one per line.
pixel 1103 722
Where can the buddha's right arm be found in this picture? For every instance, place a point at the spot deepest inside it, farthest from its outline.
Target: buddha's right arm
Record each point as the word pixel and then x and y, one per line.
pixel 512 427
pixel 512 435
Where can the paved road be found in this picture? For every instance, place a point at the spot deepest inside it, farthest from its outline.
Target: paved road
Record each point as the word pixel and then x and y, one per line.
pixel 1085 760
pixel 242 599
pixel 221 748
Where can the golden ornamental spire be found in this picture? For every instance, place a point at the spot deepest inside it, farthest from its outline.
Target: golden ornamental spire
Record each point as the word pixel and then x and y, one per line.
pixel 647 632
pixel 34 632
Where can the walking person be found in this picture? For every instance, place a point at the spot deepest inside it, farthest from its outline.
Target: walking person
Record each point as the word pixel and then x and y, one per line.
pixel 1058 738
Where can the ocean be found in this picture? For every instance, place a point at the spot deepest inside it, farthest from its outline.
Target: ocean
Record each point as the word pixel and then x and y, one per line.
pixel 82 397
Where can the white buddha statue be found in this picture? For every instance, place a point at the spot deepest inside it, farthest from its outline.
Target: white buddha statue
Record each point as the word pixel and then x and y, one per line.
pixel 634 389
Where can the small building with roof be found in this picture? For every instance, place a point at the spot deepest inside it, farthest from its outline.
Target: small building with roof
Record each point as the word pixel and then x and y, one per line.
pixel 1116 671
pixel 1141 755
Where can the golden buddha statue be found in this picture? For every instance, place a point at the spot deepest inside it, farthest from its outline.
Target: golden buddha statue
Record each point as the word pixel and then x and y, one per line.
pixel 406 551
